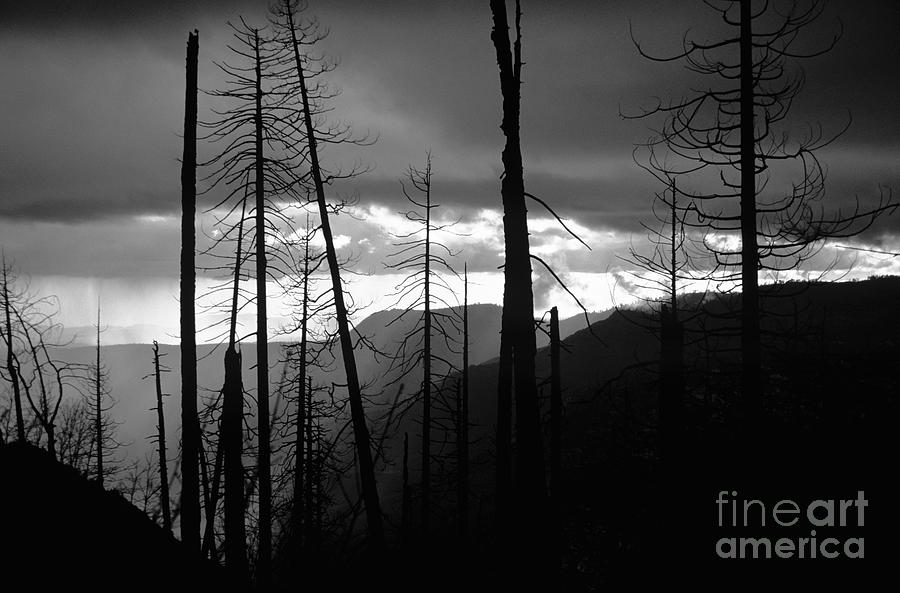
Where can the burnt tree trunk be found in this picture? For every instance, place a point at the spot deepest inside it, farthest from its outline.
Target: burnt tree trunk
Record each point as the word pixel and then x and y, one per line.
pixel 365 462
pixel 750 341
pixel 208 547
pixel 462 441
pixel 517 326
pixel 671 382
pixel 10 363
pixel 232 446
pixel 263 569
pixel 231 439
pixel 312 471
pixel 190 428
pixel 555 411
pixel 161 443
pixel 302 461
pixel 426 364
pixel 98 409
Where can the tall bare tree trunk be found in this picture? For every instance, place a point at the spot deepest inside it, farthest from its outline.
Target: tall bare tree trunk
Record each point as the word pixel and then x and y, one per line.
pixel 10 363
pixel 208 547
pixel 161 442
pixel 98 408
pixel 302 461
pixel 517 325
pixel 231 439
pixel 555 411
pixel 354 392
pixel 311 463
pixel 671 372
pixel 232 445
pixel 264 468
pixel 462 441
pixel 426 364
pixel 750 341
pixel 190 427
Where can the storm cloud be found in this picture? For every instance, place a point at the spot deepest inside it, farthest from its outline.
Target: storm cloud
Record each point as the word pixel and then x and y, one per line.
pixel 93 106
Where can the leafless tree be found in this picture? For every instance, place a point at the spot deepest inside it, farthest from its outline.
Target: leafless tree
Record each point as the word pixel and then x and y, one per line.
pixel 299 35
pixel 162 462
pixel 190 428
pixel 422 257
pixel 255 161
pixel 730 148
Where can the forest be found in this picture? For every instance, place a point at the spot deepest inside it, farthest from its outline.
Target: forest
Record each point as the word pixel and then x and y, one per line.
pixel 289 437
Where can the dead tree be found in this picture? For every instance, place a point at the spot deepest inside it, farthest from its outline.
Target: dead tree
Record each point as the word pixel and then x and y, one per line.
pixel 232 434
pixel 264 464
pixel 298 35
pixel 161 441
pixel 40 375
pixel 517 349
pixel 667 266
pixel 423 259
pixel 104 443
pixel 254 166
pixel 730 149
pixel 11 367
pixel 98 408
pixel 190 427
pixel 462 423
pixel 555 411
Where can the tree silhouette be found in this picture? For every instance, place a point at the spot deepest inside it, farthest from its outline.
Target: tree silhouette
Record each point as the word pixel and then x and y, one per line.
pixel 297 35
pixel 662 270
pixel 422 259
pixel 255 163
pixel 190 428
pixel 730 148
pixel 11 367
pixel 34 366
pixel 104 442
pixel 158 369
pixel 462 422
pixel 517 346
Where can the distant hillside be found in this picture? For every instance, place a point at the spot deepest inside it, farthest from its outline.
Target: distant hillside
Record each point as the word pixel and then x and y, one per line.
pixel 129 364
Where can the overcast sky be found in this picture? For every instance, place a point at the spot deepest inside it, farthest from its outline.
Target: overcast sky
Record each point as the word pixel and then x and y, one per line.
pixel 92 110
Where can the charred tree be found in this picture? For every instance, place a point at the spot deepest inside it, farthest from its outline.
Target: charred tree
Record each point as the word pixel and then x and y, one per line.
pixel 360 429
pixel 232 441
pixel 264 464
pixel 517 350
pixel 462 440
pixel 304 403
pixel 311 469
pixel 750 264
pixel 11 366
pixel 555 411
pixel 38 373
pixel 190 427
pixel 743 173
pixel 161 442
pixel 98 409
pixel 423 258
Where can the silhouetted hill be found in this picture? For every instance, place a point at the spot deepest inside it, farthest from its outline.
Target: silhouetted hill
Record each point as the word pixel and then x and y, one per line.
pixel 61 532
pixel 129 364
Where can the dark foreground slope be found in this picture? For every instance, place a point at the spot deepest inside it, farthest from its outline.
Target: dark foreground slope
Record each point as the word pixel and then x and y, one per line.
pixel 62 532
pixel 831 431
pixel 830 434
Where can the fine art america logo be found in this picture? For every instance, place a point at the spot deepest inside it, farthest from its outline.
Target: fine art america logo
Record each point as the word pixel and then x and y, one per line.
pixel 737 513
